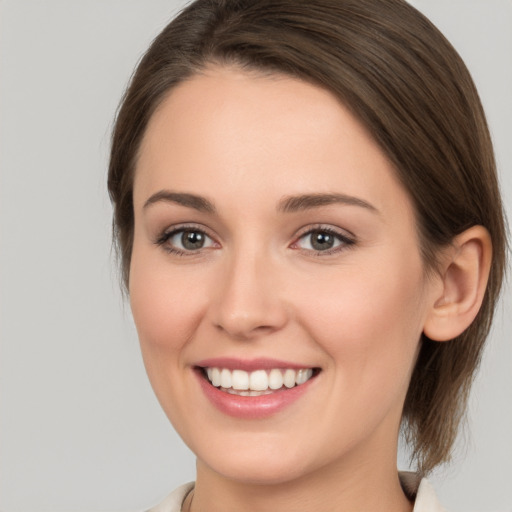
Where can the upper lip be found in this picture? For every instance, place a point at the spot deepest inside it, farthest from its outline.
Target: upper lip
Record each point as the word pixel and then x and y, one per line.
pixel 249 365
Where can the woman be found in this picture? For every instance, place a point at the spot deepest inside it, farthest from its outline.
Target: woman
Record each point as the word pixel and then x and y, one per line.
pixel 312 238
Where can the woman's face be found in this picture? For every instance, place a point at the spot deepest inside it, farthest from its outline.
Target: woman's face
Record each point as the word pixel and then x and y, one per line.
pixel 271 236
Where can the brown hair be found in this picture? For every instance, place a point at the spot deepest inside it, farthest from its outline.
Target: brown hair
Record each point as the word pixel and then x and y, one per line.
pixel 408 86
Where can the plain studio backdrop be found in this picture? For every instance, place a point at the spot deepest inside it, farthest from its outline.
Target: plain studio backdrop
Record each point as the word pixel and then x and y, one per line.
pixel 80 427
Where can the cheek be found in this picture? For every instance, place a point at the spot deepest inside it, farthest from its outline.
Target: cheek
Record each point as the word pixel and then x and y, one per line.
pixel 166 306
pixel 369 320
pixel 166 310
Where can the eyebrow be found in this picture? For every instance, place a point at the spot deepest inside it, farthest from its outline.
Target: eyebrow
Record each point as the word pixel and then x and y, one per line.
pixel 307 201
pixel 189 200
pixel 288 204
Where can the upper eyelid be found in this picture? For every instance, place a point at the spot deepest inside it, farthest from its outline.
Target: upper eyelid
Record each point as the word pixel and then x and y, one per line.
pixel 187 226
pixel 165 234
pixel 344 233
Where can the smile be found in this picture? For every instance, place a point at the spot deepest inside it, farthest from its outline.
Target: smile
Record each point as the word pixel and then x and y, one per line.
pixel 258 382
pixel 254 389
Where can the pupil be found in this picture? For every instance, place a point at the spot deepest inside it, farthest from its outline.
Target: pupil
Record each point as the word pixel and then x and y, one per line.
pixel 192 240
pixel 322 241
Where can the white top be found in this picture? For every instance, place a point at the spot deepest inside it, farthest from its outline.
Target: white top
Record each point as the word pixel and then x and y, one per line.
pixel 421 491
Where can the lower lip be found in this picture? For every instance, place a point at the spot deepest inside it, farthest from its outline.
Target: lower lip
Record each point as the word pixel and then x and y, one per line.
pixel 252 407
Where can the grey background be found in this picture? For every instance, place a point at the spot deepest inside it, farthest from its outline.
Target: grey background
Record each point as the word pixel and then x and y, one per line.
pixel 80 429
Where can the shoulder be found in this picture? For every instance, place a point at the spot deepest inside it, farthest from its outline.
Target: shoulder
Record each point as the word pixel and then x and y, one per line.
pixel 421 491
pixel 174 501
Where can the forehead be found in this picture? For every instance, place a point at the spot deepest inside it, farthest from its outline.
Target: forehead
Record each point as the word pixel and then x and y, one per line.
pixel 259 134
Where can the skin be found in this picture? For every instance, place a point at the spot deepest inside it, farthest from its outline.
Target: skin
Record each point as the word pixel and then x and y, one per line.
pixel 257 289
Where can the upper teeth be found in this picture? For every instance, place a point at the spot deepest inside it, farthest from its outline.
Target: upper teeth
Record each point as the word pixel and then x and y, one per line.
pixel 259 380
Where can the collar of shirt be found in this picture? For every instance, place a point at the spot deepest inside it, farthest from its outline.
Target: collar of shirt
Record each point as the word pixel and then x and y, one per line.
pixel 417 489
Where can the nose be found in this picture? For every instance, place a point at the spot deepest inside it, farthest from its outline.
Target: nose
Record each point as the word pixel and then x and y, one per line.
pixel 249 299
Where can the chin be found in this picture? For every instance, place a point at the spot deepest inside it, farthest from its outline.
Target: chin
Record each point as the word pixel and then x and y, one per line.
pixel 256 463
pixel 273 470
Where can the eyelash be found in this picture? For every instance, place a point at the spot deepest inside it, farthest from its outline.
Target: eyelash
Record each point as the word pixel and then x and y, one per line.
pixel 167 235
pixel 345 241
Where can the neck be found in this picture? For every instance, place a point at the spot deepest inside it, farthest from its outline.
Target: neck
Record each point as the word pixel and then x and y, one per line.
pixel 367 486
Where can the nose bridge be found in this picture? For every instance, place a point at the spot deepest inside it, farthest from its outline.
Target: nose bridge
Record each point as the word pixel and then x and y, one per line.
pixel 248 300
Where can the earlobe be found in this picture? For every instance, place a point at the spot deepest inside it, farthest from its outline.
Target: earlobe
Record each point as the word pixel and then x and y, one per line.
pixel 464 276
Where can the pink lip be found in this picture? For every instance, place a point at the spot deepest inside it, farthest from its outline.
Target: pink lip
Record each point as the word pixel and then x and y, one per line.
pixel 251 407
pixel 248 365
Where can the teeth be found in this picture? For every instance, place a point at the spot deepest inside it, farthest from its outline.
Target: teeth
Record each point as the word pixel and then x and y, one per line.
pixel 301 377
pixel 275 379
pixel 239 379
pixel 215 379
pixel 225 378
pixel 258 380
pixel 257 383
pixel 289 378
pixel 232 391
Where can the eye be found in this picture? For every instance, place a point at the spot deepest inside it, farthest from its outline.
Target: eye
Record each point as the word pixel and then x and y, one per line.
pixel 323 240
pixel 185 240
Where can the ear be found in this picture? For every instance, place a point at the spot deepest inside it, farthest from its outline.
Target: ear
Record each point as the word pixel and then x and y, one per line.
pixel 463 276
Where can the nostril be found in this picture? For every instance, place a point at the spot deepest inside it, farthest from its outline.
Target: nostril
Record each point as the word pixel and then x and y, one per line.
pixel 245 331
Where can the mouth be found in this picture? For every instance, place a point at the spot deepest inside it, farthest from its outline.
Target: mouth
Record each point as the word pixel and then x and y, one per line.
pixel 258 382
pixel 254 389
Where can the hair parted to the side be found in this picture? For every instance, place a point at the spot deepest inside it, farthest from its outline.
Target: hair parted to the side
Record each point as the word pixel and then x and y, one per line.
pixel 408 86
